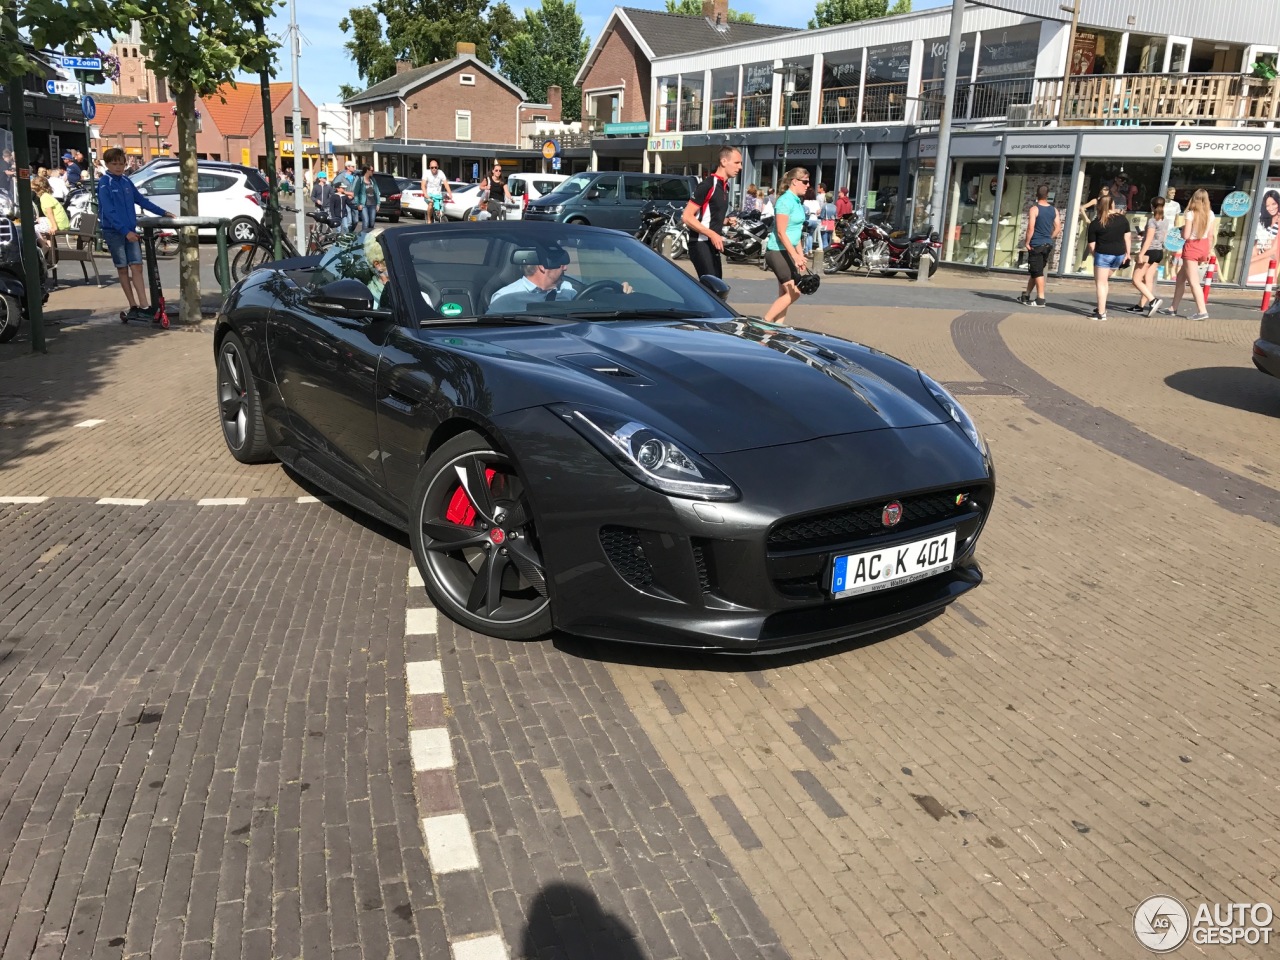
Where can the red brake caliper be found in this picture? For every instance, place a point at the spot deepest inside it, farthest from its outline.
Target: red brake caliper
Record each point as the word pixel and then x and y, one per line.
pixel 460 509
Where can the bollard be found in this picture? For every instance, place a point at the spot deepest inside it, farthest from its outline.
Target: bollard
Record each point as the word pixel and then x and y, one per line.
pixel 1208 277
pixel 1271 285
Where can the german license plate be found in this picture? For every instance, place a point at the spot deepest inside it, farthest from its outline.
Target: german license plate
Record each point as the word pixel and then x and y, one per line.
pixel 856 573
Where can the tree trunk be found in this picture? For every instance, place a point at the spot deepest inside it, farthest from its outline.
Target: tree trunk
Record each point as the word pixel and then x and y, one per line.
pixel 189 256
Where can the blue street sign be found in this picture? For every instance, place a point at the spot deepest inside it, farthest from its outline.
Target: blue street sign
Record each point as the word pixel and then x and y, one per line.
pixel 555 163
pixel 475 171
pixel 88 107
pixel 81 63
pixel 49 87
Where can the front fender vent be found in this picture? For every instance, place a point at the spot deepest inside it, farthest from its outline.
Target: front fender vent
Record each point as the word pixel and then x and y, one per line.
pixel 622 547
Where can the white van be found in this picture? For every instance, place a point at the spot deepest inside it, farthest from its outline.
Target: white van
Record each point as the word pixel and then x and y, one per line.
pixel 529 186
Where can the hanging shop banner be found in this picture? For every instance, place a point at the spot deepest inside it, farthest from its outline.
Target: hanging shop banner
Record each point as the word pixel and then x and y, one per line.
pixel 667 144
pixel 1235 149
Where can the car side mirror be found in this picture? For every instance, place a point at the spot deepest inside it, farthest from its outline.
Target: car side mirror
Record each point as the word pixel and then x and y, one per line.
pixel 593 194
pixel 715 285
pixel 346 298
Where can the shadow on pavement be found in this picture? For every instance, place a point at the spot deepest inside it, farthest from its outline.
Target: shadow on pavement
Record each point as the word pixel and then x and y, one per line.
pixel 1243 388
pixel 565 919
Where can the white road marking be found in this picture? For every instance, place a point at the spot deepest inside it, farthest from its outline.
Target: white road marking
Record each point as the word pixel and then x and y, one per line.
pixel 308 499
pixel 424 676
pixel 449 844
pixel 415 576
pixel 431 749
pixel 488 947
pixel 419 620
pixel 23 499
pixel 90 423
pixel 122 502
pixel 222 502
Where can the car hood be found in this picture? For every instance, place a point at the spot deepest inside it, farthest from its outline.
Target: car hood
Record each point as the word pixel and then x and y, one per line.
pixel 721 385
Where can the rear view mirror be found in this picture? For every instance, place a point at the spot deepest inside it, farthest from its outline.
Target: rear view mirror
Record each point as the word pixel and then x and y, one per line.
pixel 345 298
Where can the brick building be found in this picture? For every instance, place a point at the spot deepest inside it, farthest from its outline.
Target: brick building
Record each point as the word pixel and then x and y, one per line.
pixel 149 130
pixel 460 111
pixel 236 110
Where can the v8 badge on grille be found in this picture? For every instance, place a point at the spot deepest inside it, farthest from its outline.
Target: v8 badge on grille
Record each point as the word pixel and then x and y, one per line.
pixel 891 514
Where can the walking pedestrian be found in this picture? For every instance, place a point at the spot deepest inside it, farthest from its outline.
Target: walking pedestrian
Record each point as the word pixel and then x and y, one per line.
pixel 812 221
pixel 499 194
pixel 1197 231
pixel 751 202
pixel 435 187
pixel 782 255
pixel 704 214
pixel 72 168
pixel 1109 243
pixel 1043 228
pixel 1150 256
pixel 321 191
pixel 844 206
pixel 345 186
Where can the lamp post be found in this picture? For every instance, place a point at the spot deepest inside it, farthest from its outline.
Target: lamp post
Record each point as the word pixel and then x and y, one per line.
pixel 142 143
pixel 324 144
pixel 155 118
pixel 788 72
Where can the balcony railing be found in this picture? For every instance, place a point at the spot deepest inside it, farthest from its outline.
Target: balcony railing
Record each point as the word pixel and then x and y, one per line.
pixel 839 105
pixel 724 113
pixel 795 110
pixel 983 100
pixel 755 110
pixel 1187 99
pixel 884 102
pixel 691 116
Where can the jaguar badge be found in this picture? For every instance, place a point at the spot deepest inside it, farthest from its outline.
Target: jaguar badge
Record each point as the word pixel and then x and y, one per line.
pixel 891 514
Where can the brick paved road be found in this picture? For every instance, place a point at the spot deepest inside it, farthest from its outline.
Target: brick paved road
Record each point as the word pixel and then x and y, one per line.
pixel 1097 724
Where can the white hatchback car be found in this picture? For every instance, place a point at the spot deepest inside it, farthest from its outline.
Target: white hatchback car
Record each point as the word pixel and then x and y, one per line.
pixel 414 202
pixel 222 193
pixel 529 186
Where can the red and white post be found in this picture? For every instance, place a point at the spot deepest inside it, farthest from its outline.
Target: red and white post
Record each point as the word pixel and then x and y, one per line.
pixel 1209 275
pixel 1270 287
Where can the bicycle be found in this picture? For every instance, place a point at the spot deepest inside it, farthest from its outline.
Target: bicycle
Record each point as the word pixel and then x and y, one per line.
pixel 248 257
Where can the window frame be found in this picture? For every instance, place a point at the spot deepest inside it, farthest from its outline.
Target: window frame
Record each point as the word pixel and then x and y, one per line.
pixel 458 117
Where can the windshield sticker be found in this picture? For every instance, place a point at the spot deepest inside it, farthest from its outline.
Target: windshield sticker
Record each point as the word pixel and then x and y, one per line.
pixel 451 309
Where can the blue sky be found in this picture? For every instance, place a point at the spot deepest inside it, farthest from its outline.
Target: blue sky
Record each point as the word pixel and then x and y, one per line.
pixel 325 65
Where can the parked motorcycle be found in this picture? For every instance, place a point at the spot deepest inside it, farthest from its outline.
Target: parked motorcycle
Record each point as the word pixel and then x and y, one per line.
pixel 872 247
pixel 13 277
pixel 744 239
pixel 653 217
pixel 661 220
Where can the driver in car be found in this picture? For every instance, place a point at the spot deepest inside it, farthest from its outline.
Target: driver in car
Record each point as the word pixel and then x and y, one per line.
pixel 544 280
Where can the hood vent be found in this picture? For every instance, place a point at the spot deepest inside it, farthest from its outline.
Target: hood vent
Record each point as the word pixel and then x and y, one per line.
pixel 604 367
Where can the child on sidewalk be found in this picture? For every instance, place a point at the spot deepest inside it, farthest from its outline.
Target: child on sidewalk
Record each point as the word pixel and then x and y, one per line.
pixel 116 199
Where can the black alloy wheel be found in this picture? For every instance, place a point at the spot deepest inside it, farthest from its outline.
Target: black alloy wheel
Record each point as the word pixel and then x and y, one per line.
pixel 474 541
pixel 10 318
pixel 239 407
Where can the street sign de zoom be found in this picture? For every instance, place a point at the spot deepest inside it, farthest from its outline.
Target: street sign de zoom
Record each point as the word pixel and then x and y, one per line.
pixel 81 63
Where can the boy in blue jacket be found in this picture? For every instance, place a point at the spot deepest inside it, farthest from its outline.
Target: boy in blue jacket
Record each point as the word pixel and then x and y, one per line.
pixel 117 197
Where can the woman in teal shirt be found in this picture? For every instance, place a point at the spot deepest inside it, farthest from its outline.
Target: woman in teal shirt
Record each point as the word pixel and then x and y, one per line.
pixel 780 250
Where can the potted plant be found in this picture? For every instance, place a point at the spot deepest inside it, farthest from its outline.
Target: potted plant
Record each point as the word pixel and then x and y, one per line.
pixel 1262 70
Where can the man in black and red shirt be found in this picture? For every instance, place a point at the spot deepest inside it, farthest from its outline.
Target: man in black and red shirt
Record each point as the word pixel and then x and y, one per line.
pixel 704 214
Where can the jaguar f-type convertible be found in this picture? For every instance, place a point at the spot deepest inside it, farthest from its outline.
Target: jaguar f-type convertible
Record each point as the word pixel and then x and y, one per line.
pixel 579 436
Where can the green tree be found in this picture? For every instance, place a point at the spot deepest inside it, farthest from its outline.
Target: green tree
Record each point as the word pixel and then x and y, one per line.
pixel 693 8
pixel 423 32
pixel 196 45
pixel 828 13
pixel 547 50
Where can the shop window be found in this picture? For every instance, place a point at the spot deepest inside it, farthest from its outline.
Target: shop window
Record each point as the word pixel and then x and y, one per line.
pixel 668 95
pixel 885 94
pixel 757 92
pixel 690 101
pixel 1144 54
pixel 1132 186
pixel 724 98
pixel 934 73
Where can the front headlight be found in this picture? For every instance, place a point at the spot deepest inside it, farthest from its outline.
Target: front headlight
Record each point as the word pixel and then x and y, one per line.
pixel 955 411
pixel 549 211
pixel 647 455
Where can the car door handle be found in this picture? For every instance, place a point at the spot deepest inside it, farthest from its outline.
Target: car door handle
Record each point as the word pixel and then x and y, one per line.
pixel 397 402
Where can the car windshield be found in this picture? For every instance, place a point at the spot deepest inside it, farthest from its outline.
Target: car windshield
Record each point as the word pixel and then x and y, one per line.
pixel 513 270
pixel 571 187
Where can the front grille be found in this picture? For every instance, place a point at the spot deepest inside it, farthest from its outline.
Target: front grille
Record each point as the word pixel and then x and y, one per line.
pixel 622 547
pixel 700 560
pixel 851 523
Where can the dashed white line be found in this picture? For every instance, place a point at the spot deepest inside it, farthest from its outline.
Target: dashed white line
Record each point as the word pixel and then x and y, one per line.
pixel 90 423
pixel 425 677
pixel 415 577
pixel 23 499
pixel 222 502
pixel 489 947
pixel 308 500
pixel 420 620
pixel 122 502
pixel 430 749
pixel 449 844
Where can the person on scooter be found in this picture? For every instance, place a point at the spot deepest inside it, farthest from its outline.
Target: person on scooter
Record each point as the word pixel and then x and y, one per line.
pixel 117 197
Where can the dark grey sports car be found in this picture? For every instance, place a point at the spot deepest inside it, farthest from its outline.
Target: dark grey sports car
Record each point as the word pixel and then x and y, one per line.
pixel 578 436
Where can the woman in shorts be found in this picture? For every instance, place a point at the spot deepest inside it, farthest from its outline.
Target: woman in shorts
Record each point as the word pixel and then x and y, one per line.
pixel 1149 257
pixel 1110 237
pixel 781 248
